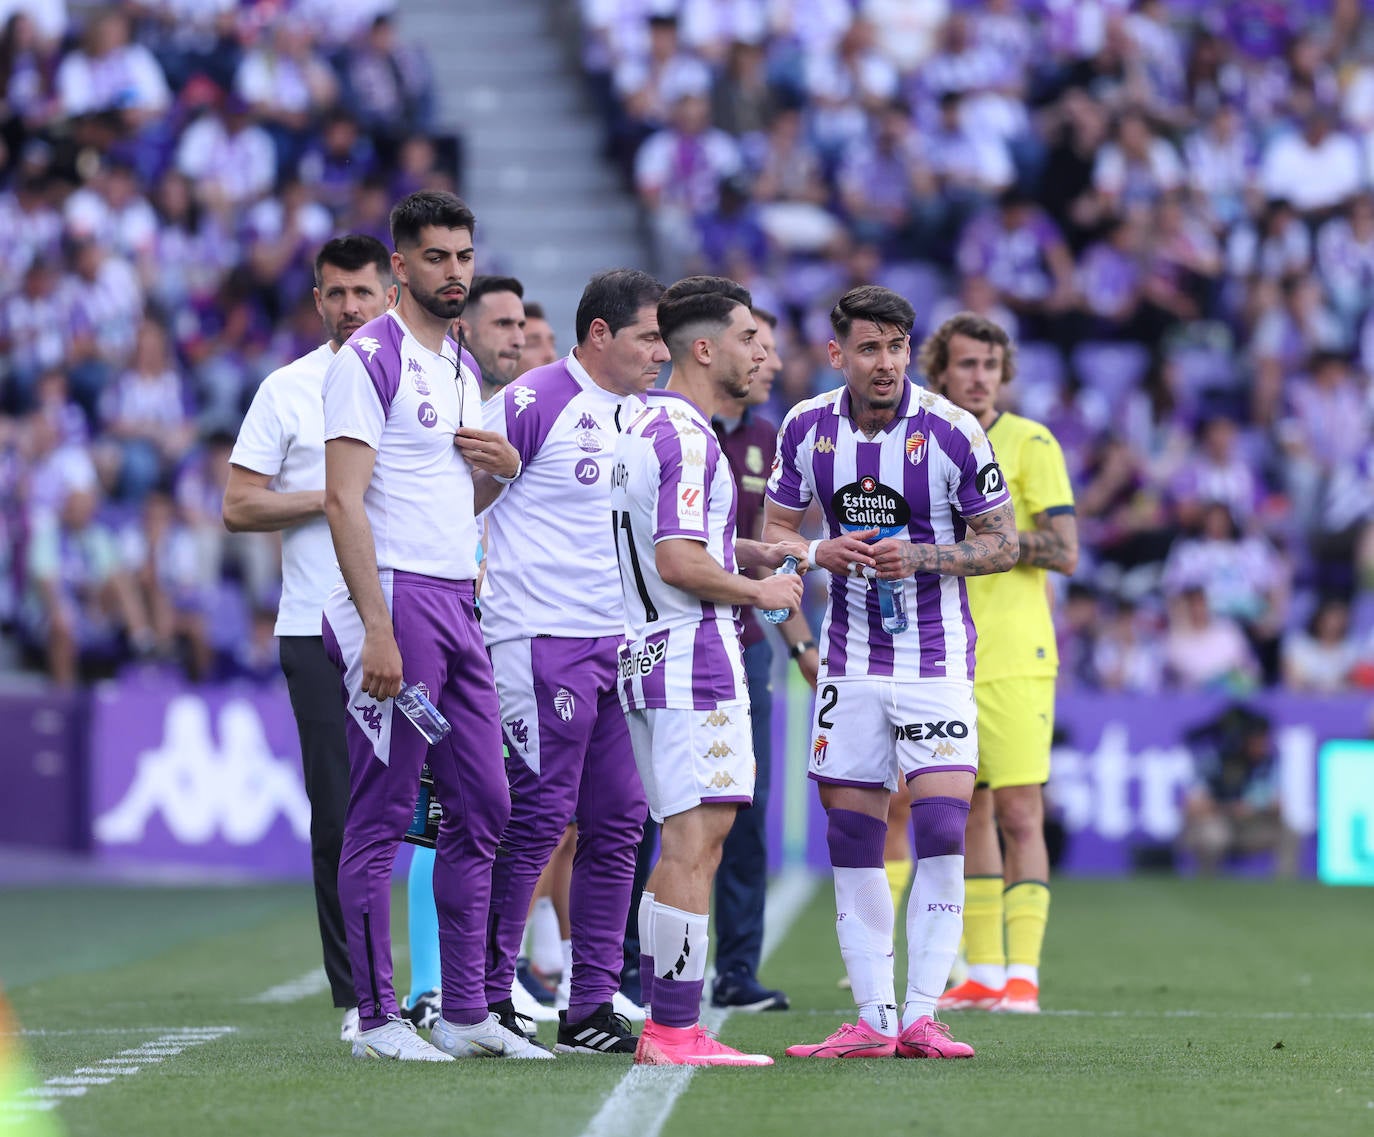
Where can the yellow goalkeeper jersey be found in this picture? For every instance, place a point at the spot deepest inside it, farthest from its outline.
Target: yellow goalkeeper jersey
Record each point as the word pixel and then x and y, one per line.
pixel 1011 610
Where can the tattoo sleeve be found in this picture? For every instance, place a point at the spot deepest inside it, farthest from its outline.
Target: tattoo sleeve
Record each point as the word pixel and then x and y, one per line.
pixel 1052 544
pixel 991 547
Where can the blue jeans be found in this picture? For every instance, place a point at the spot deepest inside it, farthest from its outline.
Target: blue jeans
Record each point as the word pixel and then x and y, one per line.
pixel 742 880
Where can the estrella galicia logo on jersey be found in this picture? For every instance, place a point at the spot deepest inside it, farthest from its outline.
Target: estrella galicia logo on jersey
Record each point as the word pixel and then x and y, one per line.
pixel 368 345
pixel 644 660
pixel 427 415
pixel 590 442
pixel 868 504
pixel 587 471
pixel 523 397
pixel 564 704
pixel 917 731
pixel 990 480
pixel 916 448
pixel 818 749
pixel 519 732
pixel 371 716
pixel 586 422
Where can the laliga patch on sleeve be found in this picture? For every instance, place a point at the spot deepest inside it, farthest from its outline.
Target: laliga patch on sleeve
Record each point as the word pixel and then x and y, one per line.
pixel 690 506
pixel 990 481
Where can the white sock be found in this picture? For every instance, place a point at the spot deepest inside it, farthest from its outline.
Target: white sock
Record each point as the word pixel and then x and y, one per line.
pixel 934 925
pixel 1027 971
pixel 565 952
pixel 543 936
pixel 863 925
pixel 564 994
pixel 991 975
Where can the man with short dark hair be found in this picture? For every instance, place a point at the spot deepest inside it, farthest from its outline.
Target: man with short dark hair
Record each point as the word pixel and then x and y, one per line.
pixel 554 625
pixel 407 469
pixel 493 327
pixel 540 345
pixel 681 673
pixel 913 500
pixel 276 483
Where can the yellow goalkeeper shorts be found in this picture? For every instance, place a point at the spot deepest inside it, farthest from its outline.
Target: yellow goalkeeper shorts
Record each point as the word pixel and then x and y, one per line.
pixel 1015 724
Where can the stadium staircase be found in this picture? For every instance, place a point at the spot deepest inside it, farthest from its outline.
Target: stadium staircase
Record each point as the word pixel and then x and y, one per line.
pixel 550 210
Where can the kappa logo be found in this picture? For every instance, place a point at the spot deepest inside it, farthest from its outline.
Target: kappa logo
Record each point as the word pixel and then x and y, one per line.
pixel 720 780
pixel 818 749
pixel 565 704
pixel 369 345
pixel 719 749
pixel 824 446
pixel 945 750
pixel 693 459
pixel 518 731
pixel 717 718
pixel 916 448
pixel 586 422
pixel 370 715
pixel 417 376
pixel 523 398
pixel 976 439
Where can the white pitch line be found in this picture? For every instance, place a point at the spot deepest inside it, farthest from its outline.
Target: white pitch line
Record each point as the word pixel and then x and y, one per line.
pixel 187 1031
pixel 293 991
pixel 644 1098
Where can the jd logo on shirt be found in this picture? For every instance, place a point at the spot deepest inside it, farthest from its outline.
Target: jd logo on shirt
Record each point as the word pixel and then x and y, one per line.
pixel 427 415
pixel 587 471
pixel 868 504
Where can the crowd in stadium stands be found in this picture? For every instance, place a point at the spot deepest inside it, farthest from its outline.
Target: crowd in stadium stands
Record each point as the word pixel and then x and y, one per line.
pixel 1170 204
pixel 168 169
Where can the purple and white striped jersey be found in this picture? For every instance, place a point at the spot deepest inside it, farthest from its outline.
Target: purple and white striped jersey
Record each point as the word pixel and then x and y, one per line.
pixel 672 480
pixel 919 478
pixel 551 566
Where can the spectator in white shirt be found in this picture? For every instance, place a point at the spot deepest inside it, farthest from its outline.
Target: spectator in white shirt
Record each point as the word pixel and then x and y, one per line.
pixel 229 158
pixel 1316 169
pixel 1321 656
pixel 108 73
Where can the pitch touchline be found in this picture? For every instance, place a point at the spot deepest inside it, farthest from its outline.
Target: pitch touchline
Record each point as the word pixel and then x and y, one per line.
pixel 643 1099
pixel 1361 1016
pixel 101 1073
pixel 305 986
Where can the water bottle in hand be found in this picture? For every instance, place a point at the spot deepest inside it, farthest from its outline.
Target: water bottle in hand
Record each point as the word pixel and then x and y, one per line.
pixel 778 615
pixel 891 603
pixel 413 702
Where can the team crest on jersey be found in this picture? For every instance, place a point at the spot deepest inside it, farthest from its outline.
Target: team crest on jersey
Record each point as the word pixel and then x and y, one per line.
pixel 824 446
pixel 564 704
pixel 818 749
pixel 369 345
pixel 417 376
pixel 523 397
pixel 753 458
pixel 916 448
pixel 589 442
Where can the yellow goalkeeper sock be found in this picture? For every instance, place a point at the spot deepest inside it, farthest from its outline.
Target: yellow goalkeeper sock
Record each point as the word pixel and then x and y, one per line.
pixel 983 930
pixel 1028 911
pixel 898 880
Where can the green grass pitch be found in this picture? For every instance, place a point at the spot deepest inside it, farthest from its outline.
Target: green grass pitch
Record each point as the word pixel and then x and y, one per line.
pixel 1172 1007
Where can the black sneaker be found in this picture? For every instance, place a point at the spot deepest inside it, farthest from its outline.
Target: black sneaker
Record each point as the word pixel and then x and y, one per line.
pixel 514 1021
pixel 426 1011
pixel 601 1032
pixel 740 991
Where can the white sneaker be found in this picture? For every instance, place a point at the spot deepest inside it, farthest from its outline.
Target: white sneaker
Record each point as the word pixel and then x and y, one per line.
pixel 623 1005
pixel 396 1039
pixel 487 1039
pixel 527 1005
pixel 349 1030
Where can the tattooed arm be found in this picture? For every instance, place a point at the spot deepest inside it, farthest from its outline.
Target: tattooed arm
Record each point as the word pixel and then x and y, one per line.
pixel 1053 543
pixel 990 547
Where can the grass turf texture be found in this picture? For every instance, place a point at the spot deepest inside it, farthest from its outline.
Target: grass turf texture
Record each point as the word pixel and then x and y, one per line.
pixel 1167 1003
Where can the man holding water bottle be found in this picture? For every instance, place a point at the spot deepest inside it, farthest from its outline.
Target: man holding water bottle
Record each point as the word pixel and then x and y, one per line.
pixel 407 468
pixel 913 500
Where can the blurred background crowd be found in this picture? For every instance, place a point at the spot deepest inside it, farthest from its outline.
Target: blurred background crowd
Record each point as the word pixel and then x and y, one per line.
pixel 1170 204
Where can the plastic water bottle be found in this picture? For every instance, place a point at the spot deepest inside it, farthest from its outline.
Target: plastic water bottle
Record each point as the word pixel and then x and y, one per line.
pixel 778 615
pixel 413 702
pixel 891 603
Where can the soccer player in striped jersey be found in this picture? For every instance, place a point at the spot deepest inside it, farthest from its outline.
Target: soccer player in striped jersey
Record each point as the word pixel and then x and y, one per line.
pixel 968 359
pixel 682 677
pixel 911 492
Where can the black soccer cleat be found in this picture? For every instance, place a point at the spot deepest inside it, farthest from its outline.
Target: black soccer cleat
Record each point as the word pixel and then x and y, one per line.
pixel 426 1010
pixel 514 1021
pixel 601 1032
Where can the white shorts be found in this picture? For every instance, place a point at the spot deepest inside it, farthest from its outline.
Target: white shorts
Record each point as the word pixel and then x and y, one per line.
pixel 688 757
pixel 869 731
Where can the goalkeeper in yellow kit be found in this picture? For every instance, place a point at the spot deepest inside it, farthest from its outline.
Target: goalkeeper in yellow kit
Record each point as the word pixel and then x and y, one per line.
pixel 968 359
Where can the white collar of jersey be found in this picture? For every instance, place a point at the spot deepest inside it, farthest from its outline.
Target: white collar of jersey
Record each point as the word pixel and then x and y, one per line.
pixel 904 408
pixel 447 350
pixel 580 373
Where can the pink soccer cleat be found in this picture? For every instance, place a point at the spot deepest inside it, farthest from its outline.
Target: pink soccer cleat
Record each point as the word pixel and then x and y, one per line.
pixel 927 1038
pixel 852 1040
pixel 689 1046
